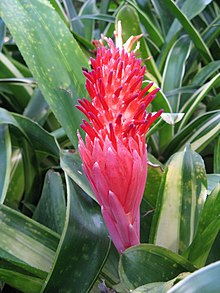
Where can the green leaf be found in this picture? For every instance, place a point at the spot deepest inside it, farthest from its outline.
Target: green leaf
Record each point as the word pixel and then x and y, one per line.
pixel 157 126
pixel 156 287
pixel 148 204
pixel 147 263
pixel 183 90
pixel 88 9
pixel 59 9
pixel 103 8
pixel 31 178
pixel 164 53
pixel 131 26
pixel 24 70
pixel 22 282
pixel 190 30
pixel 14 264
pixel 154 33
pixel 161 102
pixel 52 54
pixel 154 177
pixel 20 81
pixel 197 129
pixel 83 247
pixel 110 27
pixel 174 69
pixel 87 46
pixel 190 9
pixel 2 33
pixel 22 94
pixel 207 231
pixel 217 156
pixel 214 254
pixel 206 72
pixel 5 161
pixel 40 139
pixel 110 269
pixel 181 197
pixel 213 180
pixel 26 241
pixel 205 280
pixel 166 17
pixel 16 185
pixel 209 135
pixel 190 106
pixel 71 164
pixel 71 12
pixel 37 108
pixel 213 103
pixel 96 16
pixel 51 208
pixel 211 33
pixel 160 287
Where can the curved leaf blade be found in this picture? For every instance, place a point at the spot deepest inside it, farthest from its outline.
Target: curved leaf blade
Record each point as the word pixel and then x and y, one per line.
pixel 51 208
pixel 22 282
pixel 153 31
pixel 165 16
pixel 96 16
pixel 190 30
pixel 2 33
pixel 26 241
pixel 5 161
pixel 88 10
pixel 147 263
pixel 206 72
pixel 52 54
pixel 190 9
pixel 37 108
pixel 22 94
pixel 195 130
pixel 71 12
pixel 131 25
pixel 206 137
pixel 83 247
pixel 160 287
pixel 208 229
pixel 213 180
pixel 72 165
pixel 181 197
pixel 154 177
pixel 194 101
pixel 161 102
pixel 174 70
pixel 217 156
pixel 39 138
pixel 205 280
pixel 16 185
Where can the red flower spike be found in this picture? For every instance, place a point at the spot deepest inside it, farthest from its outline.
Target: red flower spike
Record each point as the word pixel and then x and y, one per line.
pixel 114 155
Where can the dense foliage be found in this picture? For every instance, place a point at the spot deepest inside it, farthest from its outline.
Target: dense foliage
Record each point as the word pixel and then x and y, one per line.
pixel 52 234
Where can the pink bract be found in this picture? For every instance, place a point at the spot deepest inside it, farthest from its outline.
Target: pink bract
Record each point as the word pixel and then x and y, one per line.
pixel 114 154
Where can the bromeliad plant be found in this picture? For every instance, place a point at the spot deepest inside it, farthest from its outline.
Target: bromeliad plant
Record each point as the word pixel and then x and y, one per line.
pixel 52 233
